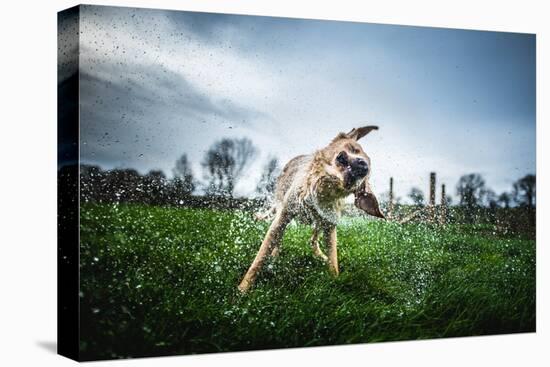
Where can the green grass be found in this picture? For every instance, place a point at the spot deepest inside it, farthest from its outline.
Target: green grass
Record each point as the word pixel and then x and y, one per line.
pixel 159 281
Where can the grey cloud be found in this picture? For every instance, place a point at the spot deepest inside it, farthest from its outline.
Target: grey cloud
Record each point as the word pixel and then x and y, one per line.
pixel 147 116
pixel 156 86
pixel 208 26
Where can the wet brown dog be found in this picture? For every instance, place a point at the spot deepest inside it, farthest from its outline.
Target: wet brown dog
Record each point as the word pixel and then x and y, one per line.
pixel 312 189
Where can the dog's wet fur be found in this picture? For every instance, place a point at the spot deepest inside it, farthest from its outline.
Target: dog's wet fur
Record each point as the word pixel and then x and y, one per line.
pixel 312 189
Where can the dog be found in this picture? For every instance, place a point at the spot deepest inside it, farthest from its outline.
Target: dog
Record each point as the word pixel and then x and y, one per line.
pixel 312 189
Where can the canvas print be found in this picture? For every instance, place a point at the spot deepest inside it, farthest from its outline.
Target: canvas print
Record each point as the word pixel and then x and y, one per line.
pixel 233 183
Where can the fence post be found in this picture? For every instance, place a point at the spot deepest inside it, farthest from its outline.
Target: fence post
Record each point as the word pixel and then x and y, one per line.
pixel 431 204
pixel 443 212
pixel 390 205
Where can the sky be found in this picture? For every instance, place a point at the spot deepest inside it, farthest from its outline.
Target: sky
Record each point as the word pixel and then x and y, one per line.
pixel 157 84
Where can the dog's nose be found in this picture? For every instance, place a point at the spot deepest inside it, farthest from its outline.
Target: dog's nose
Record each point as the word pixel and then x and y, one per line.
pixel 359 167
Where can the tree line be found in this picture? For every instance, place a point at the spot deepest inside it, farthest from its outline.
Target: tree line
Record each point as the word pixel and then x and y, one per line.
pixel 223 166
pixel 512 211
pixel 472 192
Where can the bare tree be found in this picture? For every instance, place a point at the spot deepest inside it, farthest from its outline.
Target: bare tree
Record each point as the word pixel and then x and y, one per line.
pixel 224 164
pixel 490 198
pixel 268 180
pixel 184 182
pixel 417 196
pixel 471 190
pixel 525 191
pixel 504 200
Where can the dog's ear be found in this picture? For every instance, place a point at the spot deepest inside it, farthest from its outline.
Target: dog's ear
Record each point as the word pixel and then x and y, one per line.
pixel 365 200
pixel 358 133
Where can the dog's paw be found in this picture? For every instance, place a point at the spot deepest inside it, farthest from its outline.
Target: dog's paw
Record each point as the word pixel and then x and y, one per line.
pixel 243 287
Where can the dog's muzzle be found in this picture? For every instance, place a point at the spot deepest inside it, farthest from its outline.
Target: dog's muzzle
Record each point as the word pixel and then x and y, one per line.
pixel 355 170
pixel 359 168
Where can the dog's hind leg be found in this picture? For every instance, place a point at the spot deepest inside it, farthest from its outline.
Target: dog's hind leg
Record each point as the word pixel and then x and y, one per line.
pixel 315 245
pixel 329 234
pixel 272 240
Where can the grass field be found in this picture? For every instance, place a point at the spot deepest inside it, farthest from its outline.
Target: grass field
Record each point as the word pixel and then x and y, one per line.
pixel 159 281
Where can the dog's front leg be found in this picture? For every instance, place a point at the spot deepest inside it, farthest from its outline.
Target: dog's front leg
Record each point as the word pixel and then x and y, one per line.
pixel 329 233
pixel 272 239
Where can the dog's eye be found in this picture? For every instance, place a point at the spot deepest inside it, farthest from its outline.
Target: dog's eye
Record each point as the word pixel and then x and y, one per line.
pixel 353 150
pixel 342 158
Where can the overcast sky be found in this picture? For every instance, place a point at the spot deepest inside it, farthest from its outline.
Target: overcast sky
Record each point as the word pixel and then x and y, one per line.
pixel 156 84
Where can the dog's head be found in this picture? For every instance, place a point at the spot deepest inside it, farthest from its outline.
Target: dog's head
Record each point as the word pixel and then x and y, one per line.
pixel 353 166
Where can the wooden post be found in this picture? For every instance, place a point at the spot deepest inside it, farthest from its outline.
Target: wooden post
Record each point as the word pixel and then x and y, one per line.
pixel 390 205
pixel 431 204
pixel 443 209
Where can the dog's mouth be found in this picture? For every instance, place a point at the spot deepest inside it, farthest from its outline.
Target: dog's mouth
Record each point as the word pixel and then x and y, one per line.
pixel 350 179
